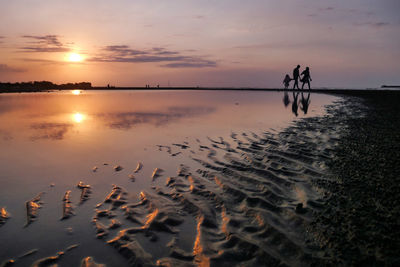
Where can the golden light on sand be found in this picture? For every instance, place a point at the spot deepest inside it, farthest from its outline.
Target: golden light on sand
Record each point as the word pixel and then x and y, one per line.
pixel 74 57
pixel 76 92
pixel 78 117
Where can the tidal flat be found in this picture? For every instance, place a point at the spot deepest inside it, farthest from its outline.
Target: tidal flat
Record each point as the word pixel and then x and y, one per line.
pixel 179 178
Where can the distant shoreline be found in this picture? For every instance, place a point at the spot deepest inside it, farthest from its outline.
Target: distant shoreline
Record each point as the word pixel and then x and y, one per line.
pixel 317 90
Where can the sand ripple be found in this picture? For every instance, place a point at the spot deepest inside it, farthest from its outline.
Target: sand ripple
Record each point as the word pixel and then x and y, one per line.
pixel 251 198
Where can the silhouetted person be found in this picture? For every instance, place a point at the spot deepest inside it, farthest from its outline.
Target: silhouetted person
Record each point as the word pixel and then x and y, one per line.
pixel 295 105
pixel 305 103
pixel 286 100
pixel 286 81
pixel 296 76
pixel 306 78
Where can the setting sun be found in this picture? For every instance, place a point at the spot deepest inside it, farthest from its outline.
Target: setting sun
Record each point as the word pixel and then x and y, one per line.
pixel 76 92
pixel 74 57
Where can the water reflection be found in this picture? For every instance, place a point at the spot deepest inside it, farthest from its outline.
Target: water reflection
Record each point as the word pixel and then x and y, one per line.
pixel 286 100
pixel 127 120
pixel 76 92
pixel 304 102
pixel 77 114
pixel 50 130
pixel 78 117
pixel 295 104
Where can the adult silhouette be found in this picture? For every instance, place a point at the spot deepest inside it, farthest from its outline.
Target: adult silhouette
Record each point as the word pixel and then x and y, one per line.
pixel 296 76
pixel 306 78
pixel 295 105
pixel 305 103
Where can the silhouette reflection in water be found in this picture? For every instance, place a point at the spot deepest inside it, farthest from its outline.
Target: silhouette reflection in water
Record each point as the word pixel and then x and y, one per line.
pixel 286 100
pixel 304 102
pixel 295 105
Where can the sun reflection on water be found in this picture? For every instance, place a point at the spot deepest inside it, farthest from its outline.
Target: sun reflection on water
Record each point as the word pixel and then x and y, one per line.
pixel 78 117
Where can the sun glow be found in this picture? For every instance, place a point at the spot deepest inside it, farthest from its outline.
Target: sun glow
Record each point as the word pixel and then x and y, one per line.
pixel 76 92
pixel 78 117
pixel 74 57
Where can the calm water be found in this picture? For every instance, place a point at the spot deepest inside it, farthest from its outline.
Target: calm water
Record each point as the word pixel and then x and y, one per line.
pixel 58 138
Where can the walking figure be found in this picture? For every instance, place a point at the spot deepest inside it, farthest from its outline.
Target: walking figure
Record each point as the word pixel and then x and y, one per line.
pixel 306 78
pixel 296 76
pixel 286 81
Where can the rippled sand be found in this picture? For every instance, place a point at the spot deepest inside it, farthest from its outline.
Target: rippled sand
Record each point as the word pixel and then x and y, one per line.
pixel 246 199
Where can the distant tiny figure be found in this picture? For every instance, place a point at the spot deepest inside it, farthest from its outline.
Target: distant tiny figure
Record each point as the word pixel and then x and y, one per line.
pixel 286 81
pixel 306 78
pixel 295 105
pixel 305 103
pixel 296 76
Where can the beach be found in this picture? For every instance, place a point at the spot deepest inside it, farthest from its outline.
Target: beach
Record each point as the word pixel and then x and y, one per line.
pixel 191 184
pixel 358 225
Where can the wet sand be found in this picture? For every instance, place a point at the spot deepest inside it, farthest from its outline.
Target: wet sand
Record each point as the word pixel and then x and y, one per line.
pixel 359 223
pixel 316 193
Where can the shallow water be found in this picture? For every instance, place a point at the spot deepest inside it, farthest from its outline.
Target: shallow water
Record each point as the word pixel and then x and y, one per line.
pixel 51 141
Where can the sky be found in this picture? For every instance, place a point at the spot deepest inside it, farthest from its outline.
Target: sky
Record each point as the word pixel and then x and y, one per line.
pixel 213 43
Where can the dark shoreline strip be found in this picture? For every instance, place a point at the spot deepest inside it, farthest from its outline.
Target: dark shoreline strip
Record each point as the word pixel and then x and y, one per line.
pixel 360 224
pixel 336 91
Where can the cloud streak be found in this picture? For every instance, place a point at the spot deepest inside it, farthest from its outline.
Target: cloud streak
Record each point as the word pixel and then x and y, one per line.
pixel 175 59
pixel 44 44
pixel 5 68
pixel 373 24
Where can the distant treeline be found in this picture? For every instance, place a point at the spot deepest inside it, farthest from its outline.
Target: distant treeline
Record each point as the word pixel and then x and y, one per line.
pixel 41 86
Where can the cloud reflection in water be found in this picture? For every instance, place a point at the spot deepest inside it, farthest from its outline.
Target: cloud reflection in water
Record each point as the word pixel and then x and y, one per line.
pixel 127 120
pixel 52 131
